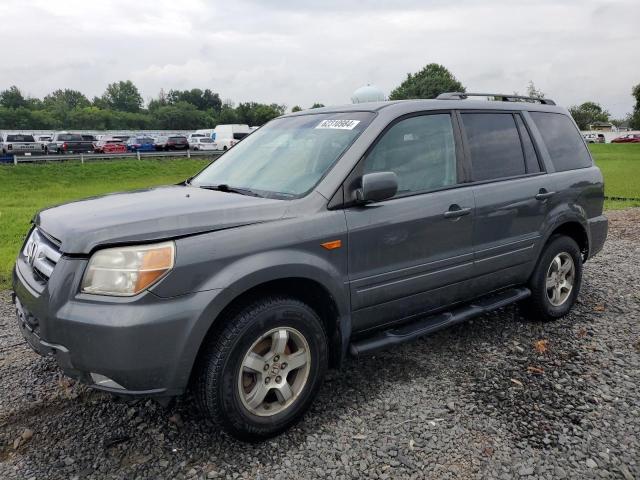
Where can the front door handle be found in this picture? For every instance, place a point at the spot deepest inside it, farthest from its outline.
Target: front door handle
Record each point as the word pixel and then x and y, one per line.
pixel 455 211
pixel 543 194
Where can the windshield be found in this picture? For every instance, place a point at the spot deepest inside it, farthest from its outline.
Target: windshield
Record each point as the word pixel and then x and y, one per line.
pixel 70 137
pixel 20 138
pixel 288 156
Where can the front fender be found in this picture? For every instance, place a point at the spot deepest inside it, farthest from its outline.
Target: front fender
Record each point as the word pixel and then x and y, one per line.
pixel 251 272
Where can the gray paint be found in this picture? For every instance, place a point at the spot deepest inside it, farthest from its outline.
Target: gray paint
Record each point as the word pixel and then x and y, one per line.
pixel 401 258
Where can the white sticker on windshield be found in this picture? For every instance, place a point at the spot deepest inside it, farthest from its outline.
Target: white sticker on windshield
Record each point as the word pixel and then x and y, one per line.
pixel 339 124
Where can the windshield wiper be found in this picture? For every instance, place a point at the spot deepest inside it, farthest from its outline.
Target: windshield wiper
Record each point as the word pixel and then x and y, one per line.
pixel 223 187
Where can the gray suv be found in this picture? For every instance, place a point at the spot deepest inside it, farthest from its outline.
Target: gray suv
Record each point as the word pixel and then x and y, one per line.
pixel 327 233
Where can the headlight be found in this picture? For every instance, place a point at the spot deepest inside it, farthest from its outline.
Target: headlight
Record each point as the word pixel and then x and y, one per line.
pixel 126 271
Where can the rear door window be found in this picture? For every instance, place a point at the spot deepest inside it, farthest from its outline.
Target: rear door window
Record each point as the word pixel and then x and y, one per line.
pixel 566 148
pixel 494 145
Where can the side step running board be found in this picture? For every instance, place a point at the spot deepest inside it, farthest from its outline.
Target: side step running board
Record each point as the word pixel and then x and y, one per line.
pixel 418 328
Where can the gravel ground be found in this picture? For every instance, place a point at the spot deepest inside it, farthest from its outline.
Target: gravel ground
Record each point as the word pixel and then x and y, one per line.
pixel 497 397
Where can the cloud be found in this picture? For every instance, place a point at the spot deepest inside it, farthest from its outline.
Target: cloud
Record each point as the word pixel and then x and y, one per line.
pixel 301 52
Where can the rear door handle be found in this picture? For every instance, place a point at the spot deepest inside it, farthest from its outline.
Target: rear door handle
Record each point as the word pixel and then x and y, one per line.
pixel 543 194
pixel 455 211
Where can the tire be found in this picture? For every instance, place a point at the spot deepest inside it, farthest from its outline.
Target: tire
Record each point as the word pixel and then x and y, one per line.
pixel 551 303
pixel 230 394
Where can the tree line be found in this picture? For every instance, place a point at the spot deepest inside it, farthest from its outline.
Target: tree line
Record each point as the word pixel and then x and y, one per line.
pixel 121 106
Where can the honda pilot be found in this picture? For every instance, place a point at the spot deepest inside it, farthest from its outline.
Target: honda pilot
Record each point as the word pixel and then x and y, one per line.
pixel 325 234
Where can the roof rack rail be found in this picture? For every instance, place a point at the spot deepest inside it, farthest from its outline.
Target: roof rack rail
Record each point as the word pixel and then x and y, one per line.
pixel 498 96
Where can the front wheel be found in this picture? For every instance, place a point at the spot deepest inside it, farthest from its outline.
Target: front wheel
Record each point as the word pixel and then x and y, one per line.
pixel 556 281
pixel 259 374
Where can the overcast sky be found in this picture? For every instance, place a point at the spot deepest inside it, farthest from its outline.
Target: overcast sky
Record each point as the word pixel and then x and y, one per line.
pixel 300 52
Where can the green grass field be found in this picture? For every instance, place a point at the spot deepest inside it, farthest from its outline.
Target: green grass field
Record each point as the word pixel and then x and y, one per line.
pixel 620 165
pixel 25 189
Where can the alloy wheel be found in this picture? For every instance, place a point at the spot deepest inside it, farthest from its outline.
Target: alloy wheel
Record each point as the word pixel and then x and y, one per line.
pixel 274 371
pixel 560 279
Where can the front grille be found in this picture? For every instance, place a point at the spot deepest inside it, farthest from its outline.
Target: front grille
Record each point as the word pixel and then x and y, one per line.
pixel 42 254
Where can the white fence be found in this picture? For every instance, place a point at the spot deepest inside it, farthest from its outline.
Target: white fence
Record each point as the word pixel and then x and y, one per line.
pixel 87 157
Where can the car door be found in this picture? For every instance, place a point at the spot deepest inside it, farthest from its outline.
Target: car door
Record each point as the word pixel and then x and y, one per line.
pixel 409 254
pixel 512 197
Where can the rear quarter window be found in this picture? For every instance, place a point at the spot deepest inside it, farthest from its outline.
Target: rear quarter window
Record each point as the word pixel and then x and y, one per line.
pixel 563 141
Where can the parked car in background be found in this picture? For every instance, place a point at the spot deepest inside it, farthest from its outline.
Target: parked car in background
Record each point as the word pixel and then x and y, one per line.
pixel 20 144
pixel 124 138
pixel 226 136
pixel 628 138
pixel 44 140
pixel 322 235
pixel 172 142
pixel 65 142
pixel 110 145
pixel 202 143
pixel 88 137
pixel 192 136
pixel 594 137
pixel 141 144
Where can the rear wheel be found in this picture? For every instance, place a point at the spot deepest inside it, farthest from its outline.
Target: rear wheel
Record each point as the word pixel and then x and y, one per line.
pixel 556 281
pixel 260 373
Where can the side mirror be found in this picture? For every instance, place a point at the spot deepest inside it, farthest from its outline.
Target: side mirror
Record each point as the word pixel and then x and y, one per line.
pixel 377 186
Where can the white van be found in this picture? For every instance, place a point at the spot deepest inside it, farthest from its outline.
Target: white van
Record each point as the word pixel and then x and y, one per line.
pixel 226 136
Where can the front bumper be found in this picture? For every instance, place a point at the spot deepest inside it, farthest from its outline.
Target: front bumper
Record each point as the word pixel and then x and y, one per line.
pixel 143 345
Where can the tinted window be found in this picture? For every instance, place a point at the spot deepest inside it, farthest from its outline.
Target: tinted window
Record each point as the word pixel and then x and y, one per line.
pixel 563 141
pixel 530 156
pixel 420 151
pixel 70 137
pixel 494 145
pixel 20 138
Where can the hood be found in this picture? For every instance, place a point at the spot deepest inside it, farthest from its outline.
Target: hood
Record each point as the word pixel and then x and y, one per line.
pixel 151 215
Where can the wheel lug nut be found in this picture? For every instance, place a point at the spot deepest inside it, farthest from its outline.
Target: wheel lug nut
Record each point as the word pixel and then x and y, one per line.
pixel 283 366
pixel 267 380
pixel 276 358
pixel 266 367
pixel 278 379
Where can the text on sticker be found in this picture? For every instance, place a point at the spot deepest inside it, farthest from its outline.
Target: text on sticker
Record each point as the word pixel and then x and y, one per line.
pixel 339 124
